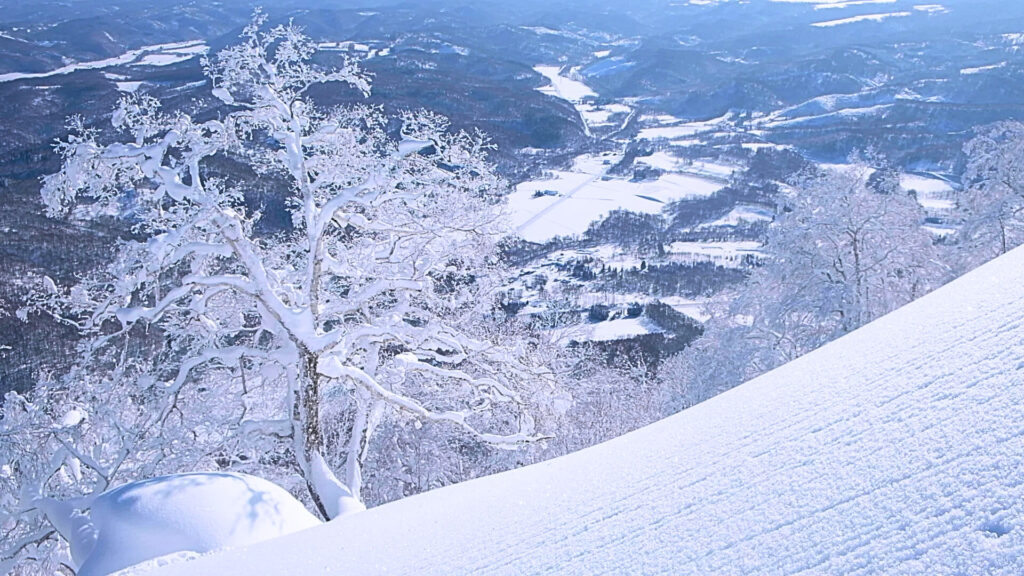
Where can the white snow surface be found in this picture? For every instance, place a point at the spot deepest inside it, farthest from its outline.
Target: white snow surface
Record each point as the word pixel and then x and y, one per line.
pixel 563 87
pixel 932 193
pixel 661 160
pixel 128 86
pixel 583 195
pixel 608 331
pixel 576 92
pixel 185 515
pixel 727 254
pixel 741 214
pixel 155 55
pixel 980 69
pixel 897 449
pixel 925 184
pixel 861 18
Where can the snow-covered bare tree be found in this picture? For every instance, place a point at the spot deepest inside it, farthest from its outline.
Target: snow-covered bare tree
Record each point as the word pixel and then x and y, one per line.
pixel 842 252
pixel 854 252
pixel 991 201
pixel 60 446
pixel 216 341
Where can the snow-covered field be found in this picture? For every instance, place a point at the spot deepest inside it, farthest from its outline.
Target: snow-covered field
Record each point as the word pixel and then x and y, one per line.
pixel 598 116
pixel 980 69
pixel 729 254
pixel 123 83
pixel 156 55
pixel 563 87
pixel 932 193
pixel 608 330
pixel 669 127
pixel 742 214
pixel 695 308
pixel 661 160
pixel 168 56
pixel 897 449
pixel 861 18
pixel 571 199
pixel 579 95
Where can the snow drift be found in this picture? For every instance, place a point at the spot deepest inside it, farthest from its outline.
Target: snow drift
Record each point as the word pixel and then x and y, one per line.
pixel 193 513
pixel 898 449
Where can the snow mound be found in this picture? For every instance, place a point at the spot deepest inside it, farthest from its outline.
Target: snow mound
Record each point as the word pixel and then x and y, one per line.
pixel 185 515
pixel 897 449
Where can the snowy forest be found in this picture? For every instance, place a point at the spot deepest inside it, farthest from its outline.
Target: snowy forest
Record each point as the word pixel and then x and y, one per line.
pixel 386 325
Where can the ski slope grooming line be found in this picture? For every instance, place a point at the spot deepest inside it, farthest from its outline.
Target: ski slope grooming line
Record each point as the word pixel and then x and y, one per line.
pixel 898 449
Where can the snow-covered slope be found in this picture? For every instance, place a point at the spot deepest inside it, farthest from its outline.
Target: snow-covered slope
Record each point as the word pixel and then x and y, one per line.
pixel 898 449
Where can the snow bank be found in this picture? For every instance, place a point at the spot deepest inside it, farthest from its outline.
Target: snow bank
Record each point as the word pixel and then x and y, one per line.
pixel 895 450
pixel 187 513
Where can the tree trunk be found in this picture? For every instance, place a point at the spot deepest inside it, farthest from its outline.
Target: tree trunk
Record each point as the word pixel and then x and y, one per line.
pixel 356 440
pixel 308 435
pixel 859 304
pixel 330 496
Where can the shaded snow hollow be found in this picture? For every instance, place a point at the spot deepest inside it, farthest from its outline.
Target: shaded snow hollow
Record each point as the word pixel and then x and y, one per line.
pixel 898 449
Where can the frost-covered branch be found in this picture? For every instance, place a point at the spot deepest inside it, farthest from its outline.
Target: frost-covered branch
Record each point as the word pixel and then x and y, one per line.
pixel 334 369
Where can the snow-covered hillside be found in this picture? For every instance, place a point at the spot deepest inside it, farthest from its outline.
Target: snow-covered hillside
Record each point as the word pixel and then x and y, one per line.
pixel 898 449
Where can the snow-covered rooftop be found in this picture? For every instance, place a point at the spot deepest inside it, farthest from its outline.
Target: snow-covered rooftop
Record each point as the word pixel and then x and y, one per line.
pixel 895 450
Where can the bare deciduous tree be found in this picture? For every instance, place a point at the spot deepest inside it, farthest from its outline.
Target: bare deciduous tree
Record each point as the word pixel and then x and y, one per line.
pixel 211 344
pixel 841 254
pixel 991 201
